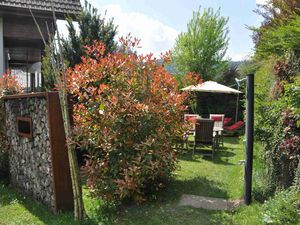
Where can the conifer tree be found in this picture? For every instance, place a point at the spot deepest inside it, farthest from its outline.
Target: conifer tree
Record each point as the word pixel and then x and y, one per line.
pixel 91 27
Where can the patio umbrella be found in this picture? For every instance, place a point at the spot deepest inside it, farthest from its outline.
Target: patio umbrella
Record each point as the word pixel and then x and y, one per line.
pixel 213 87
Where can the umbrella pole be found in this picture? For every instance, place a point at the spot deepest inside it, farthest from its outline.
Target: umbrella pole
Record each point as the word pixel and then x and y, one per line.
pixel 237 106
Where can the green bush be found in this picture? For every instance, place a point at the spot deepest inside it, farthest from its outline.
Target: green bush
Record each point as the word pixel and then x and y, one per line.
pixel 277 98
pixel 277 127
pixel 284 208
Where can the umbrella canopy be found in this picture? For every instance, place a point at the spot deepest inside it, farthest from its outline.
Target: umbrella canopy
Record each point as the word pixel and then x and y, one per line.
pixel 211 86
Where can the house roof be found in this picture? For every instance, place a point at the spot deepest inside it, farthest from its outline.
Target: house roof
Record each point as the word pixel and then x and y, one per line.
pixel 61 7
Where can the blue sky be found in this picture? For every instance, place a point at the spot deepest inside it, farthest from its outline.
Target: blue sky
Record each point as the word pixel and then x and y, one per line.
pixel 158 22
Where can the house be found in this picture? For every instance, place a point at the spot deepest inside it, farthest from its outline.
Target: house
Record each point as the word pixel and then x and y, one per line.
pixel 21 45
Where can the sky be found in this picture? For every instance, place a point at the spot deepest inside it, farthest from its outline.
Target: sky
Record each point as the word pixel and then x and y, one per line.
pixel 158 22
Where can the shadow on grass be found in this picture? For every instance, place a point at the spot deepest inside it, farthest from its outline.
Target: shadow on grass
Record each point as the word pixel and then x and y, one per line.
pixel 189 157
pixel 171 215
pixel 221 156
pixel 11 197
pixel 165 211
pixel 232 140
pixel 197 186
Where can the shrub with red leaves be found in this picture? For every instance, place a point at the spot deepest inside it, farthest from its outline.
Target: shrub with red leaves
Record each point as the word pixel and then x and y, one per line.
pixel 8 86
pixel 290 145
pixel 128 111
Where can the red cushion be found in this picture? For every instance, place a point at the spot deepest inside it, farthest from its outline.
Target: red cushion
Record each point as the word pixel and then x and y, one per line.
pixel 227 120
pixel 216 118
pixel 235 126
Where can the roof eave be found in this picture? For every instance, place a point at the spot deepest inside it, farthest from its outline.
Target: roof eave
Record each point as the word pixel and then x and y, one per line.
pixel 18 11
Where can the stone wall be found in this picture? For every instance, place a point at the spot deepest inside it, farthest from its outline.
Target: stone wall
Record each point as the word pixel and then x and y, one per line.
pixel 30 158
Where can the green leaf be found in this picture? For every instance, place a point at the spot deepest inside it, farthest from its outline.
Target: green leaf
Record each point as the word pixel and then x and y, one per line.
pixel 101 107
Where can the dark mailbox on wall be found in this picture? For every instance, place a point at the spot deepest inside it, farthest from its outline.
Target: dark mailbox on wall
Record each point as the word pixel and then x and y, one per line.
pixel 24 126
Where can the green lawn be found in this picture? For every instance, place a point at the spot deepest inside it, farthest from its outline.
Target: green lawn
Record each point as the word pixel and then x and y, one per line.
pixel 222 177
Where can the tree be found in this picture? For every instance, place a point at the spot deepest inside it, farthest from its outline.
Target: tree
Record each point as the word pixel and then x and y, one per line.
pixel 91 27
pixel 47 69
pixel 227 76
pixel 274 13
pixel 280 39
pixel 202 48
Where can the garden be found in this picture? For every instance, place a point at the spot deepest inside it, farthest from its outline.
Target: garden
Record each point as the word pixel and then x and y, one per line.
pixel 128 115
pixel 221 178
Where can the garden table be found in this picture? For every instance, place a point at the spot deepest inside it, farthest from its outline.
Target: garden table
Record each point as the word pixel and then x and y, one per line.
pixel 218 134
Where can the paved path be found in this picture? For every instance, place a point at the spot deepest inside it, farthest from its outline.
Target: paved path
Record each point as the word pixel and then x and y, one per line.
pixel 208 202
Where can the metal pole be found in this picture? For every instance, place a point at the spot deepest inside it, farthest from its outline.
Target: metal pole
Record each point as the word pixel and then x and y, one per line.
pixel 249 138
pixel 237 106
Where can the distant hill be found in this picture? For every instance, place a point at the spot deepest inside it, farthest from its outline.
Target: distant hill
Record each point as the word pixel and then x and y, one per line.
pixel 171 68
pixel 235 63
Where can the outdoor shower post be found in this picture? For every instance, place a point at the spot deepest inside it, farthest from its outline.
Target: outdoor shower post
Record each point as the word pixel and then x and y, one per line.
pixel 249 138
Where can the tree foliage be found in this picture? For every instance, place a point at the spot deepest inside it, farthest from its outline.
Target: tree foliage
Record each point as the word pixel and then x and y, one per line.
pixel 202 48
pixel 280 38
pixel 275 11
pixel 227 77
pixel 47 69
pixel 129 111
pixel 91 27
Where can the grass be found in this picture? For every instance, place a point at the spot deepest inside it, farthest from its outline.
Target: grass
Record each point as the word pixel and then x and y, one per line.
pixel 222 177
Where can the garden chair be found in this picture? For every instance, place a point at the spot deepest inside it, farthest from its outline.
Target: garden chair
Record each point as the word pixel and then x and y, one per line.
pixel 192 119
pixel 204 136
pixel 218 126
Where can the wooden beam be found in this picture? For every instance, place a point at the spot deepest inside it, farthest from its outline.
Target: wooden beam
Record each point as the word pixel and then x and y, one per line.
pixel 24 28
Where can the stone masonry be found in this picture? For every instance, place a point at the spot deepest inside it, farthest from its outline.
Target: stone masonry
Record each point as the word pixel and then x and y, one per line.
pixel 30 158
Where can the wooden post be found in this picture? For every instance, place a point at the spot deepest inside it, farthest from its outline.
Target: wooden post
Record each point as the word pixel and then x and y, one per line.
pixel 249 138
